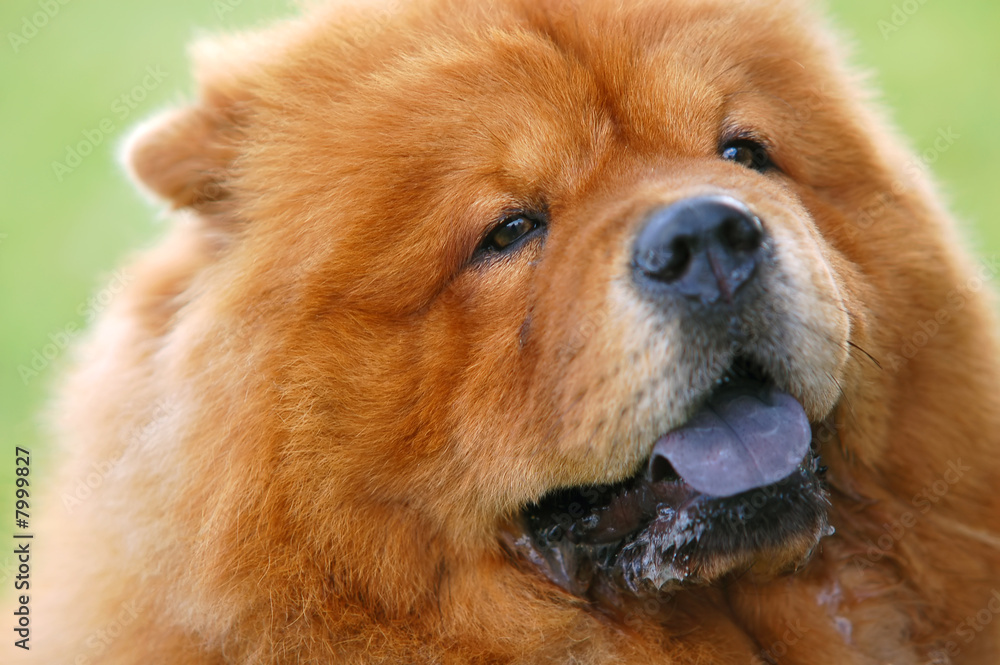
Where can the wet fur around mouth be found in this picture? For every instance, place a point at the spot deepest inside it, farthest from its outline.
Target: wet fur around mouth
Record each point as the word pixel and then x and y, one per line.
pixel 654 530
pixel 676 536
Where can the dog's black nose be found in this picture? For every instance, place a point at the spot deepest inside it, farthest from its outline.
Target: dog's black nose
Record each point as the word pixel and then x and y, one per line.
pixel 701 248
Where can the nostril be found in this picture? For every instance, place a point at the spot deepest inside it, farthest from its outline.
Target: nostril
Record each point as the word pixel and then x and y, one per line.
pixel 680 251
pixel 660 470
pixel 678 260
pixel 670 262
pixel 741 233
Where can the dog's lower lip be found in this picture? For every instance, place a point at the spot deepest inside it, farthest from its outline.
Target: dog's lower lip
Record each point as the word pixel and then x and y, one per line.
pixel 635 508
pixel 639 536
pixel 632 509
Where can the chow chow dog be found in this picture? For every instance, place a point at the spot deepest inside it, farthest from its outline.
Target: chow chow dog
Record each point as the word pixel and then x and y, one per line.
pixel 532 331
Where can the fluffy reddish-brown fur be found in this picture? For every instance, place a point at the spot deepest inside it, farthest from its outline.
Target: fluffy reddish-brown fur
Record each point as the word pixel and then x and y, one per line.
pixel 321 414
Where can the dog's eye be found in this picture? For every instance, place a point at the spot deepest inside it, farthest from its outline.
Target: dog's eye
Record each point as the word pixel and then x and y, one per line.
pixel 509 231
pixel 747 153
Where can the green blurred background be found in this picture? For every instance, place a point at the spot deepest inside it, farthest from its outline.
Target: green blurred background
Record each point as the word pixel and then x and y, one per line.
pixel 62 234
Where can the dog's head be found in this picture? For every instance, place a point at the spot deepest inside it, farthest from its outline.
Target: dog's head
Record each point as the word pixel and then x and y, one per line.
pixel 578 280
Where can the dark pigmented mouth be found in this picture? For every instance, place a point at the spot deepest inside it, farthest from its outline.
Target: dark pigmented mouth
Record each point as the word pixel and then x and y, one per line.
pixel 736 487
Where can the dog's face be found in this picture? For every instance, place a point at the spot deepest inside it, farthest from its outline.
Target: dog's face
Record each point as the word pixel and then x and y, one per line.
pixel 586 292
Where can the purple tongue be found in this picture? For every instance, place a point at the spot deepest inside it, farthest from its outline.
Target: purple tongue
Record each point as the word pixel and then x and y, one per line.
pixel 748 435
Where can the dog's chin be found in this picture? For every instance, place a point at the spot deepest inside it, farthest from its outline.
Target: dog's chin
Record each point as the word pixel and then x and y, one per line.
pixel 657 531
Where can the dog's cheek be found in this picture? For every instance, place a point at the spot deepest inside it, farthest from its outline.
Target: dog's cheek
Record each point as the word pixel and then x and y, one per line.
pixel 598 357
pixel 810 326
pixel 482 326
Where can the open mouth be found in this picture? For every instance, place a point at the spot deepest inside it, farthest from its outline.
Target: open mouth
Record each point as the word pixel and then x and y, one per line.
pixel 737 486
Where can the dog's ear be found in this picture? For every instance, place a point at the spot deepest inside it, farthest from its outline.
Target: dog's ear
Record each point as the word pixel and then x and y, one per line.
pixel 182 156
pixel 185 155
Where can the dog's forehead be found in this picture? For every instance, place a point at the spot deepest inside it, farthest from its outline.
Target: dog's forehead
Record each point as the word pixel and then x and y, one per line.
pixel 654 70
pixel 531 95
pixel 633 60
